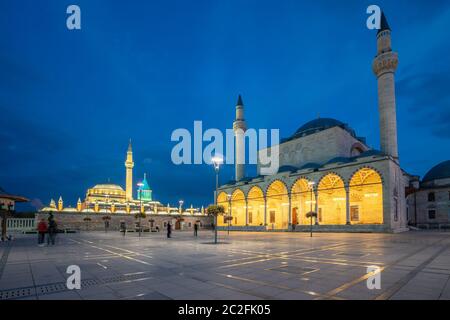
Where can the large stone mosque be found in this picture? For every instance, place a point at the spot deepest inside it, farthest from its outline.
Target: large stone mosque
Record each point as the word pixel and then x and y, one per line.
pixel 327 169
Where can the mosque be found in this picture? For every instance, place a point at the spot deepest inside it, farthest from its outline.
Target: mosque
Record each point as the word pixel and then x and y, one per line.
pixel 329 179
pixel 113 199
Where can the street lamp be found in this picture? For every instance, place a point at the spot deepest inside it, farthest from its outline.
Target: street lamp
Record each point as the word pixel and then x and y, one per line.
pixel 140 185
pixel 311 186
pixel 229 212
pixel 181 206
pixel 216 161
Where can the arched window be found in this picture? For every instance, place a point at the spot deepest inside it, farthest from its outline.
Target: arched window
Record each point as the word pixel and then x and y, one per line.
pixel 431 197
pixel 366 197
pixel 277 206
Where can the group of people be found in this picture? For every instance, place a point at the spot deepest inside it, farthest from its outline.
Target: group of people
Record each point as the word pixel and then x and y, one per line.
pixel 169 230
pixel 49 228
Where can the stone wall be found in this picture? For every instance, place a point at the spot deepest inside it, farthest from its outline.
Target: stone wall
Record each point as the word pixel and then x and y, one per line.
pixel 75 221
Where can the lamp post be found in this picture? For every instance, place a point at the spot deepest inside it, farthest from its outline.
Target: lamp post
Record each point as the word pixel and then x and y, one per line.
pixel 180 211
pixel 181 206
pixel 229 212
pixel 311 186
pixel 216 161
pixel 140 185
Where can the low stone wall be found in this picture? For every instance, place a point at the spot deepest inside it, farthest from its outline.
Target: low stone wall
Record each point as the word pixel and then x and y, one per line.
pixel 367 228
pixel 75 221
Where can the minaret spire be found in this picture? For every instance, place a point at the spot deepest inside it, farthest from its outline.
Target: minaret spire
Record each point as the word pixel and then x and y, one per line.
pixel 129 164
pixel 239 128
pixel 384 66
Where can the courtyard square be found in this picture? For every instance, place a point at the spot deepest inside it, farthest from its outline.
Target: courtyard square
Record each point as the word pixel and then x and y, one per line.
pixel 247 266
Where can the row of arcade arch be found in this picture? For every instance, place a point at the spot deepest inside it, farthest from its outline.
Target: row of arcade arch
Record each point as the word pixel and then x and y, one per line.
pixel 359 202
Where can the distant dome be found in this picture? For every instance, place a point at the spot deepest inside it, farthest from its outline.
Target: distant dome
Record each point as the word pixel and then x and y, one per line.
pixel 321 124
pixel 440 171
pixel 108 186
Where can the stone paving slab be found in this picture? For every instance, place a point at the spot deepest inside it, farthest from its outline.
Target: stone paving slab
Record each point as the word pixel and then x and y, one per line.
pixel 245 266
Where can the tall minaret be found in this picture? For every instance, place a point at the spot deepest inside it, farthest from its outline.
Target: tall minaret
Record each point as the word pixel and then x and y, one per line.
pixel 239 128
pixel 384 66
pixel 129 164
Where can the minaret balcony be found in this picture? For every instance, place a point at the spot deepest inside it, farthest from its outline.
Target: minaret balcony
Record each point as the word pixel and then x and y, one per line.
pixel 384 63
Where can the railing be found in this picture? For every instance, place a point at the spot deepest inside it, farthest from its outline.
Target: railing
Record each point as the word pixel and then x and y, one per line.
pixel 21 224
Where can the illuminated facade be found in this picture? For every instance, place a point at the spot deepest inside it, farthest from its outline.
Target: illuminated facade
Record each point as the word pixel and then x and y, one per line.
pixel 325 168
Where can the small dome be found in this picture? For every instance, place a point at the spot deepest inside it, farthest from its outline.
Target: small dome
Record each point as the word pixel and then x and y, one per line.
pixel 321 124
pixel 108 186
pixel 310 165
pixel 440 171
pixel 339 160
pixel 287 169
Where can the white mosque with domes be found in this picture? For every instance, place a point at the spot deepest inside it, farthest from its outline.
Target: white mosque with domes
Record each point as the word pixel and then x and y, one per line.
pixel 329 179
pixel 113 199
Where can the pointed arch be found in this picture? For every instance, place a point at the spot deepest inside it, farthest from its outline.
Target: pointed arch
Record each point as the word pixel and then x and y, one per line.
pixel 255 206
pixel 331 200
pixel 277 205
pixel 366 197
pixel 238 208
pixel 222 200
pixel 302 200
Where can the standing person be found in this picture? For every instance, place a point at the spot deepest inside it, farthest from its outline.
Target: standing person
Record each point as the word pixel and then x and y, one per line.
pixel 169 230
pixel 42 229
pixel 195 229
pixel 123 228
pixel 52 229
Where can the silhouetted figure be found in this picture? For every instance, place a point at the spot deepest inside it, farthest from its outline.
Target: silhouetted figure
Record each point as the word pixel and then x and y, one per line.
pixel 195 229
pixel 52 230
pixel 42 229
pixel 123 228
pixel 169 230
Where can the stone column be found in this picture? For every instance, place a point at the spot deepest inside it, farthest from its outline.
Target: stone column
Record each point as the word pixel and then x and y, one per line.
pixel 289 213
pixel 347 205
pixel 316 207
pixel 246 212
pixel 265 212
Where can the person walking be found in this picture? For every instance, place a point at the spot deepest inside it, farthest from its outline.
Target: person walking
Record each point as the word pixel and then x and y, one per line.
pixel 195 229
pixel 52 229
pixel 169 230
pixel 42 229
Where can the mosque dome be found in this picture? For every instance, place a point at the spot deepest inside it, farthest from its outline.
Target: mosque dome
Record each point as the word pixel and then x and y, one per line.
pixel 108 187
pixel 106 192
pixel 440 171
pixel 321 124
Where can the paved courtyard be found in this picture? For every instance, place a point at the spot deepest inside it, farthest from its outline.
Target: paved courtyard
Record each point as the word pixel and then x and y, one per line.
pixel 414 265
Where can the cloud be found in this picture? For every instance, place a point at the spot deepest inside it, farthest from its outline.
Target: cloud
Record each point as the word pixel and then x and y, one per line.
pixel 427 99
pixel 24 140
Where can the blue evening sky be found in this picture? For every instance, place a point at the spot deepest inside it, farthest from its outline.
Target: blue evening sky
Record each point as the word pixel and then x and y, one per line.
pixel 70 100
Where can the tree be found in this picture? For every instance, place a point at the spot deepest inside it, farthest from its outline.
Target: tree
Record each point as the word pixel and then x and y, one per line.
pixel 215 211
